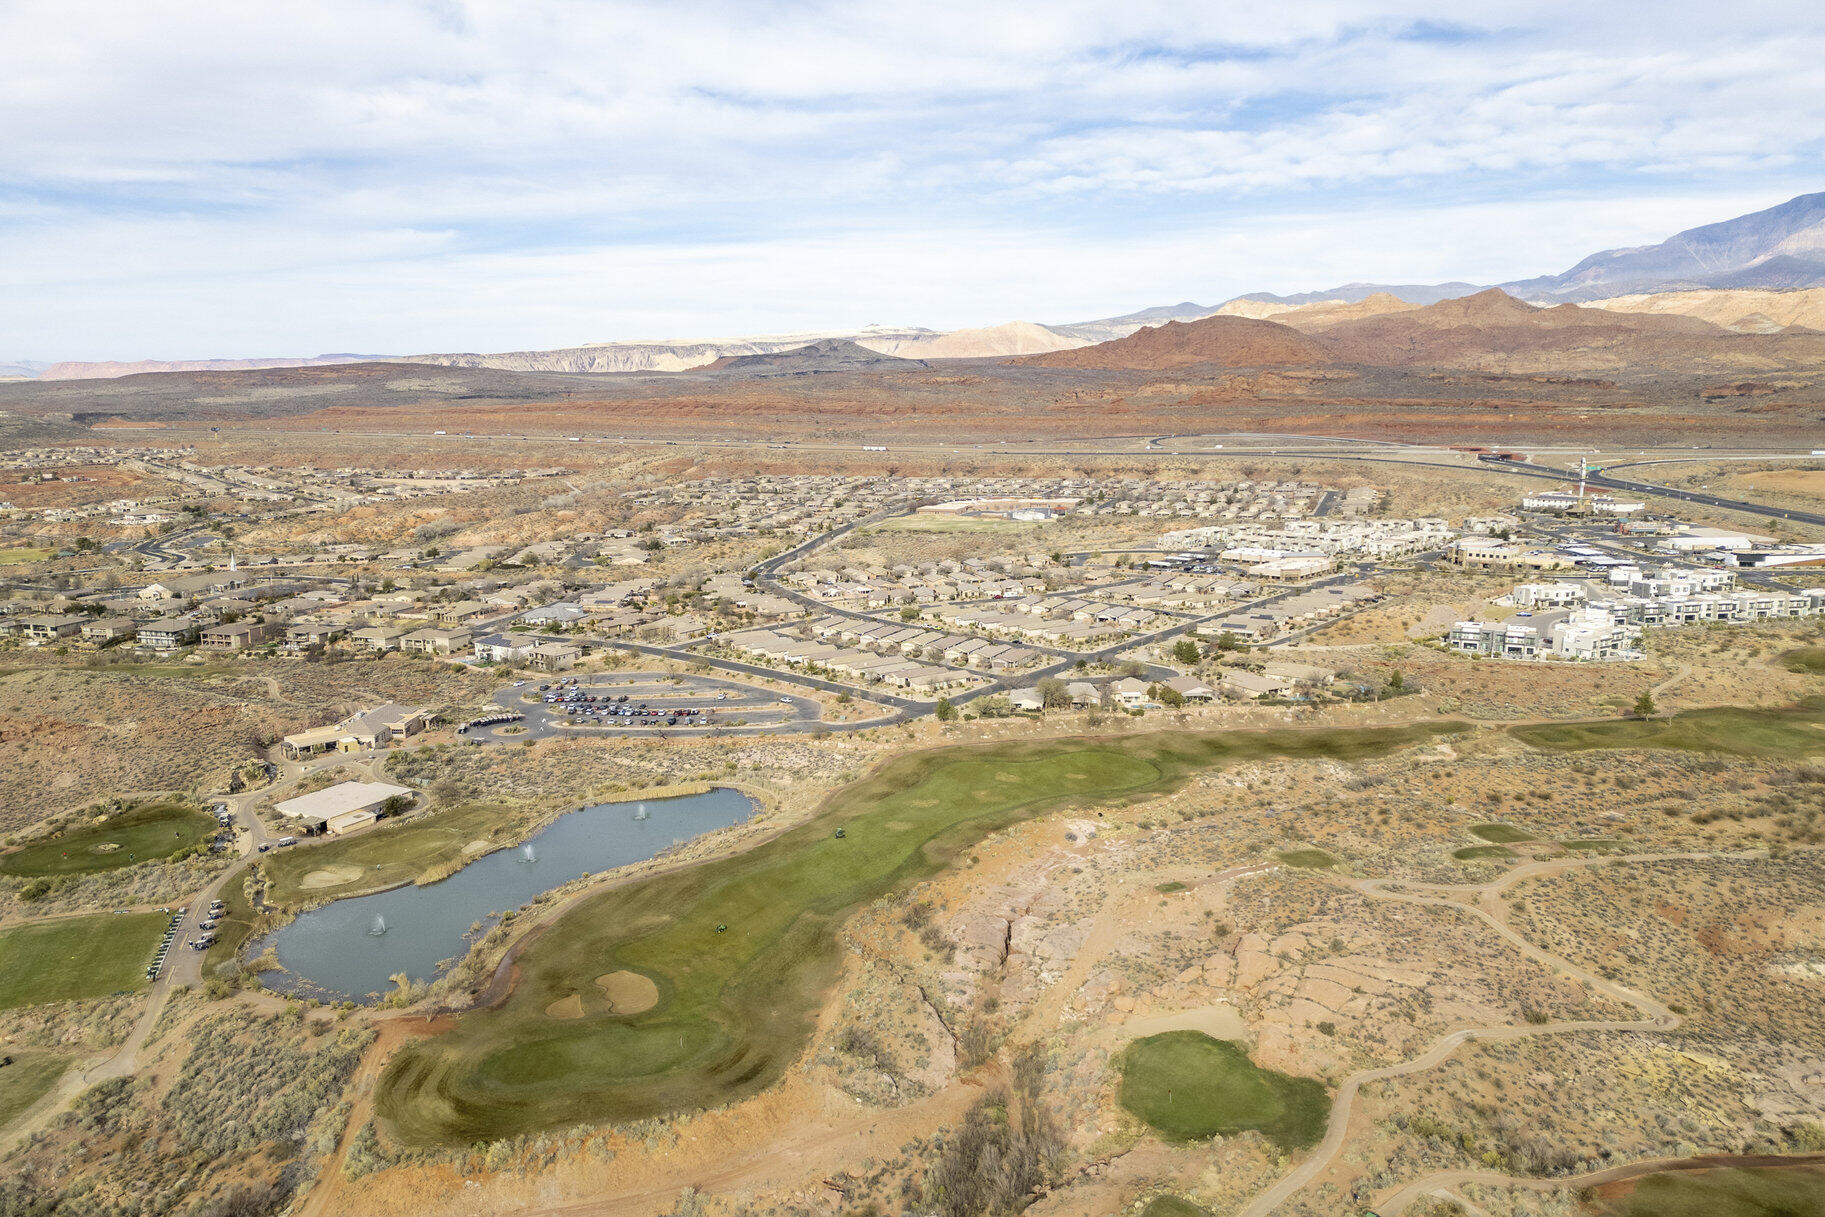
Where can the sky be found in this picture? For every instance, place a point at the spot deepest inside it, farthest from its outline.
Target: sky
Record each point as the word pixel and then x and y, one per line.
pixel 212 178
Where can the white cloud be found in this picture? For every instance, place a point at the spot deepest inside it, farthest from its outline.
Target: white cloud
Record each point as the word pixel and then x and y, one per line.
pixel 395 176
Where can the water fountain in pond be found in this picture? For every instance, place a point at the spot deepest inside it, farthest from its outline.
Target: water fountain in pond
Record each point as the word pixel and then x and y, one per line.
pixel 528 854
pixel 640 812
pixel 379 927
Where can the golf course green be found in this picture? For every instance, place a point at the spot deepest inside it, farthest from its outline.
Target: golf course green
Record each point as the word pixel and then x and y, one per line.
pixel 139 834
pixel 740 950
pixel 1188 1087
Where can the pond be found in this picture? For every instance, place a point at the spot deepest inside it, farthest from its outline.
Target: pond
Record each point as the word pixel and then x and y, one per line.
pixel 349 948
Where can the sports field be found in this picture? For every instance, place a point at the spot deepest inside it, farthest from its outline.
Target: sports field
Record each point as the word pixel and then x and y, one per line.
pixel 73 958
pixel 15 557
pixel 141 834
pixel 741 949
pixel 1737 731
pixel 1189 1087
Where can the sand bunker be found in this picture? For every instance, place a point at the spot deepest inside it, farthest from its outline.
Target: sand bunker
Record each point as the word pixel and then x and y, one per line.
pixel 477 847
pixel 628 992
pixel 330 876
pixel 567 1007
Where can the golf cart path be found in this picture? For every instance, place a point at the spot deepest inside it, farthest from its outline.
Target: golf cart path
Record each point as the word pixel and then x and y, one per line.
pixel 1479 900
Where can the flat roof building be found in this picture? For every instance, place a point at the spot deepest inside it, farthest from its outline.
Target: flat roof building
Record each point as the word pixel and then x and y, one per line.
pixel 339 808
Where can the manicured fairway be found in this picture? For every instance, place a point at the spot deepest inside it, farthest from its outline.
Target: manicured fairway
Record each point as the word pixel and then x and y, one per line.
pixel 1761 1192
pixel 1189 1086
pixel 1737 731
pixel 14 557
pixel 141 834
pixel 742 948
pixel 1482 853
pixel 1308 859
pixel 76 957
pixel 28 1079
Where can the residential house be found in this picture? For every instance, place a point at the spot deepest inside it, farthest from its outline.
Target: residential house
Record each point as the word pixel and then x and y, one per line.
pixel 49 627
pixel 235 636
pixel 104 630
pixel 432 641
pixel 168 633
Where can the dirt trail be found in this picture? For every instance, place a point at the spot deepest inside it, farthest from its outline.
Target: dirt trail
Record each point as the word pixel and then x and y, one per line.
pixel 1444 1180
pixel 331 1183
pixel 1479 900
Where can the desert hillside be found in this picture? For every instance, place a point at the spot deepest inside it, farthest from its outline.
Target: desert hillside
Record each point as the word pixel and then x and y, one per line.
pixel 1230 342
pixel 1745 311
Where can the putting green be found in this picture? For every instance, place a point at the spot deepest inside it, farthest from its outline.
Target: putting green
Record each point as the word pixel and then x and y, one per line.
pixel 740 950
pixel 139 834
pixel 1189 1087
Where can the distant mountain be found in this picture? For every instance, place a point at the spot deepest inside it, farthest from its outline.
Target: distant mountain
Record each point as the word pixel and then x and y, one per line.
pixel 675 355
pixel 1746 312
pixel 1013 338
pixel 828 355
pixel 1230 342
pixel 1352 293
pixel 21 369
pixel 109 369
pixel 1106 328
pixel 1781 248
pixel 1316 317
pixel 1492 331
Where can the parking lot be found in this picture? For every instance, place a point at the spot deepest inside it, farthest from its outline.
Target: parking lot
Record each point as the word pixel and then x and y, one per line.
pixel 641 703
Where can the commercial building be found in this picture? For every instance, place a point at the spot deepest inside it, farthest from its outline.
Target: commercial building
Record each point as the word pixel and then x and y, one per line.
pixel 376 728
pixel 343 807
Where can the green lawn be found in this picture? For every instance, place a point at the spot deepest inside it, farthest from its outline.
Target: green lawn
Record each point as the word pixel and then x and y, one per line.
pixel 139 834
pixel 77 957
pixel 1502 834
pixel 1810 660
pixel 14 557
pixel 743 948
pixel 1482 853
pixel 28 1079
pixel 1792 1191
pixel 385 856
pixel 1592 844
pixel 1188 1087
pixel 1737 731
pixel 1310 859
